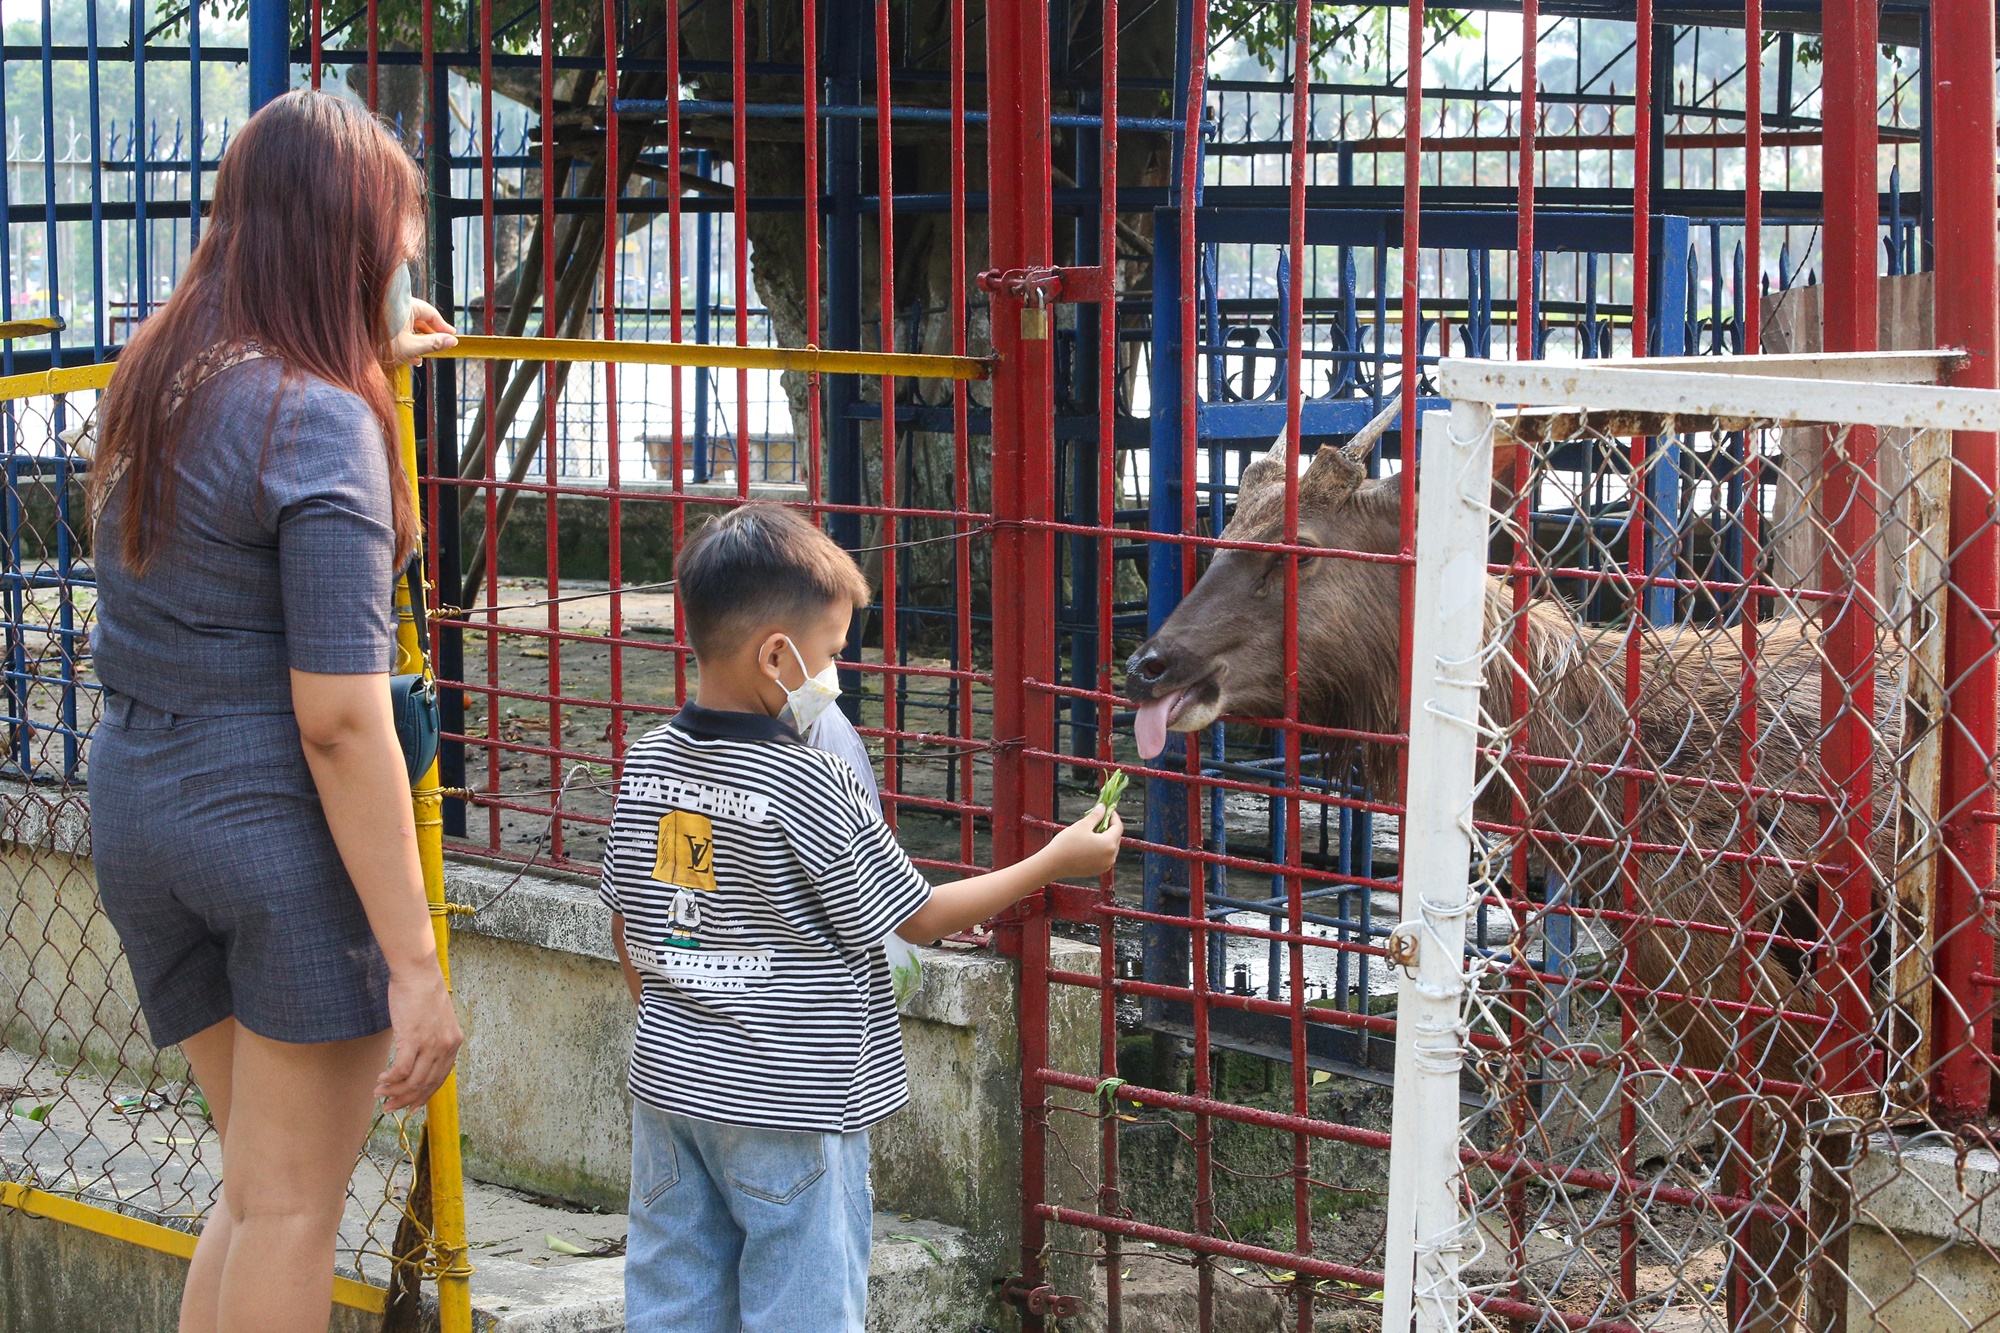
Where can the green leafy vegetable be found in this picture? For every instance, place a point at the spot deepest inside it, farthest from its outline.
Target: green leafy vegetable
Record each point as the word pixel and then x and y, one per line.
pixel 1114 787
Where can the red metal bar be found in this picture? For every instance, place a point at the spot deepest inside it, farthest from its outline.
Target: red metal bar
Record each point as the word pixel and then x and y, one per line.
pixel 1848 501
pixel 1342 1018
pixel 739 209
pixel 551 538
pixel 1640 571
pixel 1739 1170
pixel 1753 184
pixel 885 227
pixel 809 132
pixel 1968 294
pixel 1110 1199
pixel 961 413
pixel 1023 431
pixel 1295 337
pixel 318 22
pixel 375 52
pixel 1552 1172
pixel 614 186
pixel 1520 1112
pixel 434 495
pixel 1204 1248
pixel 490 445
pixel 677 446
pixel 1188 194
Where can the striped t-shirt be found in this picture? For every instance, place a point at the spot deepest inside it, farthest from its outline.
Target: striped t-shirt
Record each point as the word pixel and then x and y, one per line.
pixel 757 884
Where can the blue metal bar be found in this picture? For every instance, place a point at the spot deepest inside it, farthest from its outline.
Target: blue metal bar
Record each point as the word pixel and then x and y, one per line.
pixel 196 138
pixel 270 50
pixel 1165 951
pixel 704 299
pixel 1663 473
pixel 51 239
pixel 631 106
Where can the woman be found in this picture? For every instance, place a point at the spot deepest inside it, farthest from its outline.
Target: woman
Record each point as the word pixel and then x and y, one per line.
pixel 251 811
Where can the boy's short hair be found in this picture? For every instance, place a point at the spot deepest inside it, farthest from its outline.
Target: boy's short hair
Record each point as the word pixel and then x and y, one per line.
pixel 758 565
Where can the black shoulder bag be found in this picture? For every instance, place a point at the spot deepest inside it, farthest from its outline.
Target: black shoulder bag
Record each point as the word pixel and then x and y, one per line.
pixel 413 698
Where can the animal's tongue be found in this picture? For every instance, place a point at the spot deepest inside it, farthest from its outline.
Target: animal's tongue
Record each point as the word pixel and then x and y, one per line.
pixel 1149 728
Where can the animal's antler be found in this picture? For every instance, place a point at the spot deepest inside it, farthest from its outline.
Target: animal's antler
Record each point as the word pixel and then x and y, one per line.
pixel 1355 451
pixel 1363 442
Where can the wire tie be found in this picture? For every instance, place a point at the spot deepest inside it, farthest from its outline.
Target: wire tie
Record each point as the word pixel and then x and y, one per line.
pixel 451 1261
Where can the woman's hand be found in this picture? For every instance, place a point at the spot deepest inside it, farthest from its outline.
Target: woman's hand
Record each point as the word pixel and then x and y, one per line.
pixel 427 1038
pixel 1080 851
pixel 427 335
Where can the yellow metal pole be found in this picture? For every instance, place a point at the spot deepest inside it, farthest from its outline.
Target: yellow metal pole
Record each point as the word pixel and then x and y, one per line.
pixel 721 356
pixel 31 328
pixel 151 1235
pixel 65 379
pixel 441 1116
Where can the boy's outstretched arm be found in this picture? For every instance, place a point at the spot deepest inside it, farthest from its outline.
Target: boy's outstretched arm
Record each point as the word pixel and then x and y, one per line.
pixel 1078 851
pixel 632 982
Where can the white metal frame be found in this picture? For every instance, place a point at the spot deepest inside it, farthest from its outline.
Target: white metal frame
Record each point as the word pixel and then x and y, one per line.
pixel 1427 1230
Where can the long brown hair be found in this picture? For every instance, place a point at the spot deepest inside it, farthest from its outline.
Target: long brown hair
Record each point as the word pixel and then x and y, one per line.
pixel 315 203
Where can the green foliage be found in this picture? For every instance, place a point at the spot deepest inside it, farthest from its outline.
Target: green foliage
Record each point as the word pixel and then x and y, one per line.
pixel 1351 34
pixel 454 24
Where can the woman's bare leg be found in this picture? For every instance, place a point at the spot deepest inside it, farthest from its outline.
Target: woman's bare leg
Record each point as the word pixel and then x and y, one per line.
pixel 209 1054
pixel 297 1116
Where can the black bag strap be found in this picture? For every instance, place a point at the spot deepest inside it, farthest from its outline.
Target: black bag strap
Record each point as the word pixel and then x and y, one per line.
pixel 414 577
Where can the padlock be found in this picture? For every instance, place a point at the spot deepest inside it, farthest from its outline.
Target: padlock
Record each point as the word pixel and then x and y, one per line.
pixel 1034 323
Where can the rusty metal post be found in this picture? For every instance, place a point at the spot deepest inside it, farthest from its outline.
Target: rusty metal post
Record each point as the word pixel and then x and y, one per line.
pixel 1963 125
pixel 1018 173
pixel 1848 627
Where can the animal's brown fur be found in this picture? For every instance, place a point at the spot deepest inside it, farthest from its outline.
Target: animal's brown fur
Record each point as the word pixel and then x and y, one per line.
pixel 1224 645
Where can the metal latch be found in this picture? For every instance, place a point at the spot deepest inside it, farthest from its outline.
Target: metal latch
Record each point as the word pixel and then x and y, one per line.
pixel 1039 288
pixel 1039 1298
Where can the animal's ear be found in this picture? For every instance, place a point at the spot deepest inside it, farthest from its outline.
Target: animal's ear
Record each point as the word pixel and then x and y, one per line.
pixel 1266 469
pixel 1332 476
pixel 1336 472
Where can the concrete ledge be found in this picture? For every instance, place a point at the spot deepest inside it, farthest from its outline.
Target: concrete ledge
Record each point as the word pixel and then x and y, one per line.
pixel 160 1168
pixel 548 1025
pixel 1924 1256
pixel 64 1279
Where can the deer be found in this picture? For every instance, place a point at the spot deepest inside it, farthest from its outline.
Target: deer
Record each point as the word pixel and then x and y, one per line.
pixel 1220 653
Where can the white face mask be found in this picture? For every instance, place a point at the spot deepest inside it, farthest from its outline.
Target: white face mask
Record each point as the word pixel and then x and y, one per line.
pixel 814 695
pixel 399 306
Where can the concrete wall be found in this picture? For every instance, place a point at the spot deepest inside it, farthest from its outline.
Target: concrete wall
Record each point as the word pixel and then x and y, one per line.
pixel 583 542
pixel 548 1028
pixel 56 1278
pixel 1925 1253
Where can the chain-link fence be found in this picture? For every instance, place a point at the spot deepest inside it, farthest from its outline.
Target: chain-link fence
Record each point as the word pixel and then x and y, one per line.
pixel 1727 1031
pixel 97 1128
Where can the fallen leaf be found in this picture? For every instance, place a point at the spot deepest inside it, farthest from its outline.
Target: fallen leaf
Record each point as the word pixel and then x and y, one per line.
pixel 561 1246
pixel 929 1248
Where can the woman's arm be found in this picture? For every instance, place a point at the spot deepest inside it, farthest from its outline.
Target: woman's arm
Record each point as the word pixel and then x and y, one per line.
pixel 1077 850
pixel 357 765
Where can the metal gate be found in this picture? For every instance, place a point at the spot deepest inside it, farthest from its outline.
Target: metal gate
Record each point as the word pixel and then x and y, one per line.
pixel 776 212
pixel 1247 1036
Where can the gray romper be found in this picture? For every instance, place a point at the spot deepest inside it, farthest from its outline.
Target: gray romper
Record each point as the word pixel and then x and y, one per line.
pixel 214 861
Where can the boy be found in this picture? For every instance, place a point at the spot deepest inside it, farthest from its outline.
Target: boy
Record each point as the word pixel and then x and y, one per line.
pixel 751 885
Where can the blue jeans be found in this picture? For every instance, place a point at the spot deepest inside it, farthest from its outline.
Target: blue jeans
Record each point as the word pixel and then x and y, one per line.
pixel 745 1230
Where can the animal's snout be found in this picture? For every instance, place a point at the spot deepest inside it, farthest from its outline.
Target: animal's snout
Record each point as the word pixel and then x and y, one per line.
pixel 1149 664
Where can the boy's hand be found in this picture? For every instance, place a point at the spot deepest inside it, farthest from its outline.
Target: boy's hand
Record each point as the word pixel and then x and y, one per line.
pixel 1080 851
